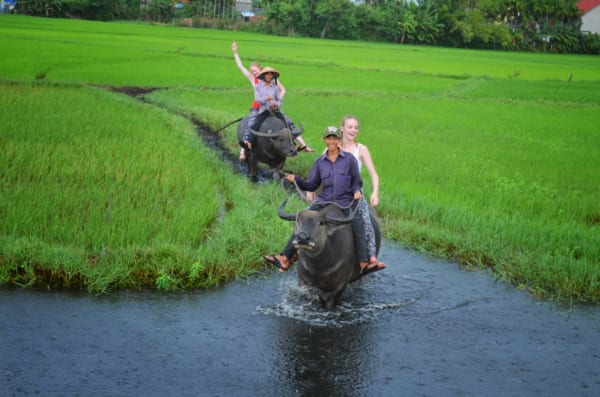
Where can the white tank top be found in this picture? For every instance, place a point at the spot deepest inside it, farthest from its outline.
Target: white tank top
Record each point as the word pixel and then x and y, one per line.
pixel 356 155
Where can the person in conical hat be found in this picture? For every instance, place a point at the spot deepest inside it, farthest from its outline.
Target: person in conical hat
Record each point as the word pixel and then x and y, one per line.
pixel 267 70
pixel 252 76
pixel 266 94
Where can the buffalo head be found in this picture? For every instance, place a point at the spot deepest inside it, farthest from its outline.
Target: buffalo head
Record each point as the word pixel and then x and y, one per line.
pixel 313 228
pixel 273 144
pixel 327 260
pixel 281 142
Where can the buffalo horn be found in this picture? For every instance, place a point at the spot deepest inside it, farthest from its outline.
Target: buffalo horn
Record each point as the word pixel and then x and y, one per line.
pixel 284 215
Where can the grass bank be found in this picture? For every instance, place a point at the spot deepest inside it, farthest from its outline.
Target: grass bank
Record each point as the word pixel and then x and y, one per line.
pixel 486 158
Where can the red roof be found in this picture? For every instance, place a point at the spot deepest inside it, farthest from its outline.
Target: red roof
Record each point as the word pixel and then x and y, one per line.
pixel 588 5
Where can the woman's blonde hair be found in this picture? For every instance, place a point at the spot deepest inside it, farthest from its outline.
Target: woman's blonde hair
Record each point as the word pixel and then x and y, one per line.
pixel 348 117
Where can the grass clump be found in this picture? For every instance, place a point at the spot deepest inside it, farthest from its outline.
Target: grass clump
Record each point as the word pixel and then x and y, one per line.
pixel 115 194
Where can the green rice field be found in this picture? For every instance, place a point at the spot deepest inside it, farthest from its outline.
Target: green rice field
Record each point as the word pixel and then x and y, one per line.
pixel 490 159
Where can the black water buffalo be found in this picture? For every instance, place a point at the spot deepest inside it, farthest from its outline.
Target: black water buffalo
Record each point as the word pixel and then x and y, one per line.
pixel 327 258
pixel 274 143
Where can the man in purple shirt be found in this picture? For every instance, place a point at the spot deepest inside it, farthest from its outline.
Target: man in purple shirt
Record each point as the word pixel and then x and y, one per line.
pixel 337 172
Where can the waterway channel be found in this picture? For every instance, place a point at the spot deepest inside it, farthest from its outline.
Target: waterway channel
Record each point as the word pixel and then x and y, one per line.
pixel 422 327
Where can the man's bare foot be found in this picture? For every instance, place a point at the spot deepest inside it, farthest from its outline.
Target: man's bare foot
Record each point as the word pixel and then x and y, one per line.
pixel 280 261
pixel 370 267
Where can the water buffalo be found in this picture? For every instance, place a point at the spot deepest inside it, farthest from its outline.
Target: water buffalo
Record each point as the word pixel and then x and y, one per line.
pixel 327 258
pixel 274 143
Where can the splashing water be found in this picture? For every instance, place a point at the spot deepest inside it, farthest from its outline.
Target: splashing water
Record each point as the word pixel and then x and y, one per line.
pixel 359 303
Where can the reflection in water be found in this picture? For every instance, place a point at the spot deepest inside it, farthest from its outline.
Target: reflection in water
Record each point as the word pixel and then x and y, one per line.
pixel 324 360
pixel 320 352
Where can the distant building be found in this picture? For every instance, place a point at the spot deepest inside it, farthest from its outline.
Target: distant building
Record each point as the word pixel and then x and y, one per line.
pixel 244 10
pixel 243 5
pixel 590 20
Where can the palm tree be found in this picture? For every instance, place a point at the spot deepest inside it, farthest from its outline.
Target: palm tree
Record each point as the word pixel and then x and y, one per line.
pixel 407 25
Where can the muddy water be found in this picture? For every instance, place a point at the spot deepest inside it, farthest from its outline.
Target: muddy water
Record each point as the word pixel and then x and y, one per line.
pixel 420 328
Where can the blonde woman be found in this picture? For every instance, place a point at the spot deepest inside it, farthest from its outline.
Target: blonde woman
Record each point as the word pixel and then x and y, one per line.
pixel 349 143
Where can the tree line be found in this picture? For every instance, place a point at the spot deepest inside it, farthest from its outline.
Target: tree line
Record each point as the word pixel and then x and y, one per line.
pixel 530 25
pixel 521 25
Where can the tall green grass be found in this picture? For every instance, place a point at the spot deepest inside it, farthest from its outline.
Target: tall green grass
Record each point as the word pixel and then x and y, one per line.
pixel 90 160
pixel 100 191
pixel 487 158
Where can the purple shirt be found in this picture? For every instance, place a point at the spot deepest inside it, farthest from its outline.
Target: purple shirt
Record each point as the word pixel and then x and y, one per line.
pixel 340 180
pixel 262 91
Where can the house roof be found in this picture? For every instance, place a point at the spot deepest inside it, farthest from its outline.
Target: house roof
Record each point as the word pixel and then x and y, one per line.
pixel 588 5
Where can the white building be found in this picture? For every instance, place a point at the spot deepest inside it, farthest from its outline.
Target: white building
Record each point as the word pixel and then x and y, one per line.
pixel 243 5
pixel 590 21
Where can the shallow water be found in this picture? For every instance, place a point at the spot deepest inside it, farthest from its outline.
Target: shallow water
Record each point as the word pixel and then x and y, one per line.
pixel 421 327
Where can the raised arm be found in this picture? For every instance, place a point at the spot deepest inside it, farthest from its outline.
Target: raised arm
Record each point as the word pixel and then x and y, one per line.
pixel 240 65
pixel 367 160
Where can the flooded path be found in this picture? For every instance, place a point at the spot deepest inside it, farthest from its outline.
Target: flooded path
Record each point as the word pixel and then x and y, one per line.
pixel 420 328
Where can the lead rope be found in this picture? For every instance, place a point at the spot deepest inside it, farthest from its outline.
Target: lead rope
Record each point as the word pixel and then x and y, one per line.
pixel 301 194
pixel 298 190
